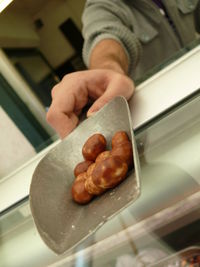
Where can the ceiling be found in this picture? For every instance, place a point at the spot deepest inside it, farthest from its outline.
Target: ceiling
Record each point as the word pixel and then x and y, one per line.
pixel 31 6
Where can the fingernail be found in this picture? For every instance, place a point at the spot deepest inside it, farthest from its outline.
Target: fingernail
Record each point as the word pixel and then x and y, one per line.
pixel 90 113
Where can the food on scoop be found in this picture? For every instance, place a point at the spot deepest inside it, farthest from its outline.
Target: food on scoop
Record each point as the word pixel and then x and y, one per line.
pixel 94 146
pixel 82 167
pixel 102 169
pixel 79 193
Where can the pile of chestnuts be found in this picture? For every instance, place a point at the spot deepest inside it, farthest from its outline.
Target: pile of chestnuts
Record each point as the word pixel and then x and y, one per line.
pixel 101 169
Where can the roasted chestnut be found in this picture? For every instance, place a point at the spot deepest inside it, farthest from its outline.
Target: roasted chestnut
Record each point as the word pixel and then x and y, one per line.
pixel 94 146
pixel 119 138
pixel 109 172
pixel 103 155
pixel 82 167
pixel 92 188
pixel 79 193
pixel 124 151
pixel 81 176
pixel 102 169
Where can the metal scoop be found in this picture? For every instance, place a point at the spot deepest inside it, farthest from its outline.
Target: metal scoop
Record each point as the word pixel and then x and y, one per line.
pixel 62 223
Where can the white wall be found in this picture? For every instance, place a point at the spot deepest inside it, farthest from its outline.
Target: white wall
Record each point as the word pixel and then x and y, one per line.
pixel 15 148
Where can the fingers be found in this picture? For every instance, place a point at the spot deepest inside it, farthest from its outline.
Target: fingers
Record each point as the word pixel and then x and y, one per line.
pixel 68 98
pixel 118 85
pixel 62 123
pixel 73 92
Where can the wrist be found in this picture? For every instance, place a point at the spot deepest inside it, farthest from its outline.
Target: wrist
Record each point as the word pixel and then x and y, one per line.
pixel 109 54
pixel 109 64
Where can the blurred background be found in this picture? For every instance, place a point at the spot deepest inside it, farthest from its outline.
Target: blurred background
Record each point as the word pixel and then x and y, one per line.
pixel 40 41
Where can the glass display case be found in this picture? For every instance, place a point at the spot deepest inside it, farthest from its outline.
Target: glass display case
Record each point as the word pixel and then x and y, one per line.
pixel 163 221
pixel 162 227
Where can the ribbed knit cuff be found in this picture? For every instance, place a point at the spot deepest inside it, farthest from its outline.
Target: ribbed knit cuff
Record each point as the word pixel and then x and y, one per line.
pixel 128 41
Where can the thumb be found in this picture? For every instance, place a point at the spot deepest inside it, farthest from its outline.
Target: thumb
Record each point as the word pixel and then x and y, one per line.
pixel 118 86
pixel 98 104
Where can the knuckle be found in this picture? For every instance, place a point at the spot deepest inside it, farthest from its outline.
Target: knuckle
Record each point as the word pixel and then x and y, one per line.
pixel 54 90
pixel 50 116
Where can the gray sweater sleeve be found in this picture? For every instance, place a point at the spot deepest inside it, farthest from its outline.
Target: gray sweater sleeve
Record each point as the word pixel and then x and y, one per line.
pixel 103 19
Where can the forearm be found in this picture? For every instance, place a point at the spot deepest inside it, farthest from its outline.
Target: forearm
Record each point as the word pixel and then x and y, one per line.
pixel 109 54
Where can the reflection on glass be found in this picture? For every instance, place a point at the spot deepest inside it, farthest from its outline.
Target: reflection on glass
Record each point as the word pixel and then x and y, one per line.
pixel 42 42
pixel 161 223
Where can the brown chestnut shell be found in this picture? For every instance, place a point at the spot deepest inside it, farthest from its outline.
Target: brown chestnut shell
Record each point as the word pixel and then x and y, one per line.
pixel 79 193
pixel 94 146
pixel 109 172
pixel 82 167
pixel 125 152
pixel 92 188
pixel 119 138
pixel 103 155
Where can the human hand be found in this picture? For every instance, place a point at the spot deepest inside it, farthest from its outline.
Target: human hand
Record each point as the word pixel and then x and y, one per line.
pixel 73 92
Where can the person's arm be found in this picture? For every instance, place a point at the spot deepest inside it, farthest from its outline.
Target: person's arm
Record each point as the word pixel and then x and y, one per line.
pixel 108 31
pixel 109 54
